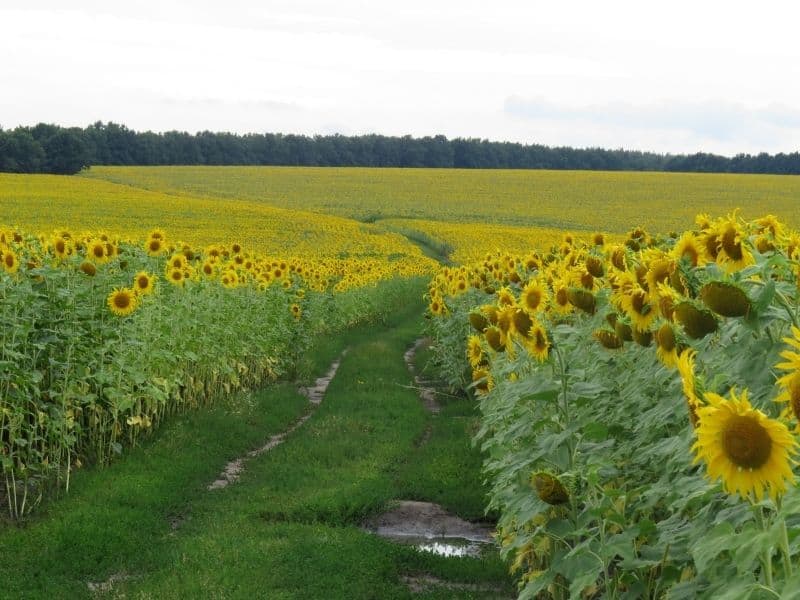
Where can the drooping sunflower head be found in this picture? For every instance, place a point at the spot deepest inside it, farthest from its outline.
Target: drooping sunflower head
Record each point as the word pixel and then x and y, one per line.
pixel 748 451
pixel 608 339
pixel 549 488
pixel 478 322
pixel 697 321
pixel 143 283
pixel 583 299
pixel 667 345
pixel 122 301
pixel 88 268
pixel 725 298
pixel 521 322
pixel 482 380
pixel 770 224
pixel 594 266
pixel 495 338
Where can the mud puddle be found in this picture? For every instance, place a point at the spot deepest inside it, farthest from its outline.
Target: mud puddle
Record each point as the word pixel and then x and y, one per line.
pixel 430 528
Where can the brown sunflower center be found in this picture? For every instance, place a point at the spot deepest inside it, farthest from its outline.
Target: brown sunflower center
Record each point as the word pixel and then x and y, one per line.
pixel 794 398
pixel 122 301
pixel 98 251
pixel 61 246
pixel 746 443
pixel 533 298
pixel 143 281
pixel 9 260
pixel 729 244
pixel 562 297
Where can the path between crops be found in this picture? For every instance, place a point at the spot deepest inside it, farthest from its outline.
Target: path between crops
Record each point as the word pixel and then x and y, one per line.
pixel 367 445
pixel 315 394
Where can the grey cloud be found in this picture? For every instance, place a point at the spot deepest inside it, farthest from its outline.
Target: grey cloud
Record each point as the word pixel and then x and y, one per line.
pixel 723 121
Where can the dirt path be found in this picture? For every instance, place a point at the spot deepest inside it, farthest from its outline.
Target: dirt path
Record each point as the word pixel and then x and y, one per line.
pixel 315 394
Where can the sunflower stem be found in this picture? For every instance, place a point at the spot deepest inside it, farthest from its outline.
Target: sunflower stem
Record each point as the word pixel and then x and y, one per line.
pixel 784 542
pixel 766 554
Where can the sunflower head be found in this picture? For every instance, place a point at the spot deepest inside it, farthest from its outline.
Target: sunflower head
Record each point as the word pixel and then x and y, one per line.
pixel 748 451
pixel 697 322
pixel 642 337
pixel 10 261
pixel 122 301
pixel 549 488
pixel 495 338
pixel 608 339
pixel 583 299
pixel 725 298
pixel 474 351
pixel 482 380
pixel 623 331
pixel 478 322
pixel 154 246
pixel 143 283
pixel 88 268
pixel 537 343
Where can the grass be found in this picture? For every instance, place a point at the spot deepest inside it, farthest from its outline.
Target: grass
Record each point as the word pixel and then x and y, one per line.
pixel 289 528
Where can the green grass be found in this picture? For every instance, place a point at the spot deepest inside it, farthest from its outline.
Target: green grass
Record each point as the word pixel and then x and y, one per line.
pixel 289 528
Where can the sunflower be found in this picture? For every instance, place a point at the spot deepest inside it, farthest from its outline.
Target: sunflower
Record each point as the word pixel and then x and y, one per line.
pixel 96 251
pixel 749 451
pixel 10 261
pixel 495 338
pixel 608 339
pixel 143 283
pixel 521 323
pixel 734 255
pixel 177 261
pixel 688 248
pixel 637 306
pixel 122 301
pixel 697 321
pixel 154 246
pixel 208 268
pixel 534 296
pixel 725 298
pixel 505 297
pixel 686 369
pixel 296 311
pixel 157 234
pixel 62 248
pixel 790 383
pixel 482 380
pixel 88 268
pixel 474 351
pixel 537 344
pixel 478 321
pixel 667 345
pixel 176 276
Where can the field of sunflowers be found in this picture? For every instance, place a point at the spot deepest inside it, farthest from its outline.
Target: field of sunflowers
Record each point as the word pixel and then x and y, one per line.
pixel 638 376
pixel 640 402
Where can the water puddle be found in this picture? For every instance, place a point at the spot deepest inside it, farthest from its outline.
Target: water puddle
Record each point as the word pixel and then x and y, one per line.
pixel 430 528
pixel 443 546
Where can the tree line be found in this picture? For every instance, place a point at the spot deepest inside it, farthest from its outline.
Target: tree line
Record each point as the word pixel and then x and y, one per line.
pixel 47 148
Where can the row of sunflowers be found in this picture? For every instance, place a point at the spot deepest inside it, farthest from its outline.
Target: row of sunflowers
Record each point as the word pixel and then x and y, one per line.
pixel 101 339
pixel 640 408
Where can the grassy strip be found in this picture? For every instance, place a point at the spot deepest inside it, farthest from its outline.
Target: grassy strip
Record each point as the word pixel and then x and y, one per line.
pixel 287 530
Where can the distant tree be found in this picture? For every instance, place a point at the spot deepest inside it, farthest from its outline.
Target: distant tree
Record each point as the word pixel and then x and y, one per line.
pixel 66 153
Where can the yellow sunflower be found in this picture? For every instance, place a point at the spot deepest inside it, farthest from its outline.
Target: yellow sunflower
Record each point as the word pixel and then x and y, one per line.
pixel 734 253
pixel 62 247
pixel 750 452
pixel 474 351
pixel 537 344
pixel 790 383
pixel 534 296
pixel 154 246
pixel 143 283
pixel 10 261
pixel 176 276
pixel 667 345
pixel 122 301
pixel 686 369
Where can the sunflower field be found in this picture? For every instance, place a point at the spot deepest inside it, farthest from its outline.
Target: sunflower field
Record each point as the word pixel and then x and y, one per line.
pixel 640 406
pixel 100 339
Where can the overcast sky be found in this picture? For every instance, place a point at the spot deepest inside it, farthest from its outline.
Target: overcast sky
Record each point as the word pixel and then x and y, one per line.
pixel 677 76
